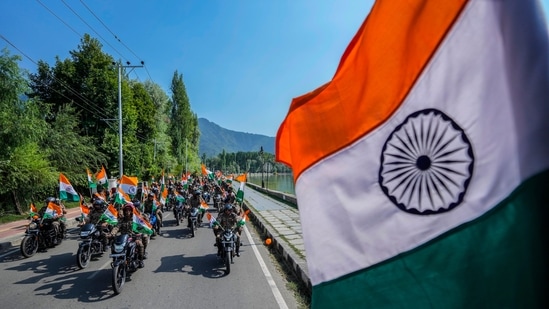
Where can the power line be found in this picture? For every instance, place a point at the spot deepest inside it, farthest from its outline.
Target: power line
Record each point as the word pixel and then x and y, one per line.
pixel 79 35
pixel 108 29
pixel 106 42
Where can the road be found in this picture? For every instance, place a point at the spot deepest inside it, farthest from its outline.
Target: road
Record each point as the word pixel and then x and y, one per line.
pixel 180 272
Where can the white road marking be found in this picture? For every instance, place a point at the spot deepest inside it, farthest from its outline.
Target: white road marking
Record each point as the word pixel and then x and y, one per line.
pixel 266 272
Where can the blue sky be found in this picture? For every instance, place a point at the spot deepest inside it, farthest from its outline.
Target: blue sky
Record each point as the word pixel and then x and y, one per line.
pixel 242 60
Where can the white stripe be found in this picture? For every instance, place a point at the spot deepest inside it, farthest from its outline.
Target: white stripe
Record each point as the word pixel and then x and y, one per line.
pixel 488 78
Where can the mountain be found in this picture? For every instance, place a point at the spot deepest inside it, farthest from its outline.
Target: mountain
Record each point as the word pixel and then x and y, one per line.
pixel 214 139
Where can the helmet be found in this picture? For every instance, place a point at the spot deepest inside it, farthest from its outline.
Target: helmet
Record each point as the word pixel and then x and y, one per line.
pixel 128 206
pixel 228 207
pixel 151 194
pixel 50 200
pixel 136 204
pixel 97 203
pixel 197 192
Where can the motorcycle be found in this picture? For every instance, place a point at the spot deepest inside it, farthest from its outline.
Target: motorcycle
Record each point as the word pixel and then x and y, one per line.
pixel 90 243
pixel 217 202
pixel 40 234
pixel 206 196
pixel 194 220
pixel 170 202
pixel 227 246
pixel 124 260
pixel 178 212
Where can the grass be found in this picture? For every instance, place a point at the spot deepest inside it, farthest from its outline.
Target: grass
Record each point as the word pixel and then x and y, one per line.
pixel 11 217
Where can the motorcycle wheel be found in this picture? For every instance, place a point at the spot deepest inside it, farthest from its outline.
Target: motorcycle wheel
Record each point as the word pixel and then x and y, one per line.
pixel 118 278
pixel 227 262
pixel 29 246
pixel 83 257
pixel 192 228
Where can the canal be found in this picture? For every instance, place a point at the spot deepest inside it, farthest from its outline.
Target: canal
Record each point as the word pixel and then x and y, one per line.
pixel 278 182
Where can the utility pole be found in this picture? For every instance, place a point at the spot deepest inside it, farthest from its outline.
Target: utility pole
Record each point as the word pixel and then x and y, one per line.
pixel 120 66
pixel 262 167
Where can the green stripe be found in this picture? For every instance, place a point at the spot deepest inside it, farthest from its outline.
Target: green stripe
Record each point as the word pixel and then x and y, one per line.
pixel 499 260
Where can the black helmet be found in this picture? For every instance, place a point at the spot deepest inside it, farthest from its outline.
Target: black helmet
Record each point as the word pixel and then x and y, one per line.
pixel 151 194
pixel 128 206
pixel 136 204
pixel 97 202
pixel 228 207
pixel 50 200
pixel 197 192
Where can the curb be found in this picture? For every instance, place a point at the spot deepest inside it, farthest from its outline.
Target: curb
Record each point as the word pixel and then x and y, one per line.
pixel 282 248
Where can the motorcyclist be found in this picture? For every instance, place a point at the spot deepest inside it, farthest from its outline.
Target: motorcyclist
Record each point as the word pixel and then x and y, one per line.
pixel 58 219
pixel 125 226
pixel 96 217
pixel 149 205
pixel 194 202
pixel 227 219
pixel 230 199
pixel 144 238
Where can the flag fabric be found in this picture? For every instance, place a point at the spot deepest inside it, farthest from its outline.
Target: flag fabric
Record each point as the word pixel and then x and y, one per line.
pixel 420 168
pixel 203 206
pixel 66 191
pixel 243 218
pixel 128 185
pixel 110 215
pixel 207 172
pixel 240 193
pixel 91 184
pixel 140 225
pixel 84 209
pixel 212 219
pixel 53 211
pixel 242 177
pixel 121 197
pixel 163 195
pixel 32 210
pixel 101 177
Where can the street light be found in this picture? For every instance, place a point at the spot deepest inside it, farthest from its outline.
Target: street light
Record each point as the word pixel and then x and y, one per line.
pixel 262 167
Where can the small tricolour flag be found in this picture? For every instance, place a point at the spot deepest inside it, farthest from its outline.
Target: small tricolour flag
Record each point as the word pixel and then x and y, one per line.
pixel 121 197
pixel 66 191
pixel 211 219
pixel 241 177
pixel 110 215
pixel 32 210
pixel 101 177
pixel 140 225
pixel 128 185
pixel 240 193
pixel 91 183
pixel 53 211
pixel 243 218
pixel 421 169
pixel 207 172
pixel 84 209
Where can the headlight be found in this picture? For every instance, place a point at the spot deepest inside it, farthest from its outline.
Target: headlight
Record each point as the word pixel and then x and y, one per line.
pixel 84 234
pixel 33 226
pixel 118 248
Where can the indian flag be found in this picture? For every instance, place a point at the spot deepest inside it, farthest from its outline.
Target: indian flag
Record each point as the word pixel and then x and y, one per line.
pixel 140 225
pixel 240 193
pixel 211 218
pixel 53 211
pixel 163 195
pixel 84 209
pixel 121 197
pixel 207 172
pixel 110 215
pixel 32 210
pixel 66 191
pixel 101 177
pixel 91 184
pixel 421 168
pixel 203 206
pixel 242 177
pixel 128 185
pixel 243 219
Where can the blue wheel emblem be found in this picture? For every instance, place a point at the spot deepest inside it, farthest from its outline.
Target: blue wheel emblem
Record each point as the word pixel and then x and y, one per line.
pixel 426 164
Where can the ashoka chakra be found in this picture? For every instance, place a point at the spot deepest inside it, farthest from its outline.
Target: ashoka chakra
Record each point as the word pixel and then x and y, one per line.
pixel 426 164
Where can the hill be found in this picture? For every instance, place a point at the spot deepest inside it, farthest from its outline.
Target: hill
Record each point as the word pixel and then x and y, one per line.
pixel 214 139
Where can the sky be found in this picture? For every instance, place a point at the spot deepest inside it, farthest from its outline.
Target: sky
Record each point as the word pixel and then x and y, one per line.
pixel 242 61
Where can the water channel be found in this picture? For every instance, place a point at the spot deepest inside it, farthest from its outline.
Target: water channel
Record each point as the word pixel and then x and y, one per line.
pixel 278 182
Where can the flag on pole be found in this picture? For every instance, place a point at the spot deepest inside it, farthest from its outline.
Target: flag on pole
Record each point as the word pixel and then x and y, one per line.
pixel 84 209
pixel 240 193
pixel 244 218
pixel 207 172
pixel 140 225
pixel 163 195
pixel 91 184
pixel 53 211
pixel 242 177
pixel 129 185
pixel 203 206
pixel 121 197
pixel 101 177
pixel 211 219
pixel 421 167
pixel 110 215
pixel 66 191
pixel 32 210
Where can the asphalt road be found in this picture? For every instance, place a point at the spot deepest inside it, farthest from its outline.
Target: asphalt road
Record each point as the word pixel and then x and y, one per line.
pixel 180 272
